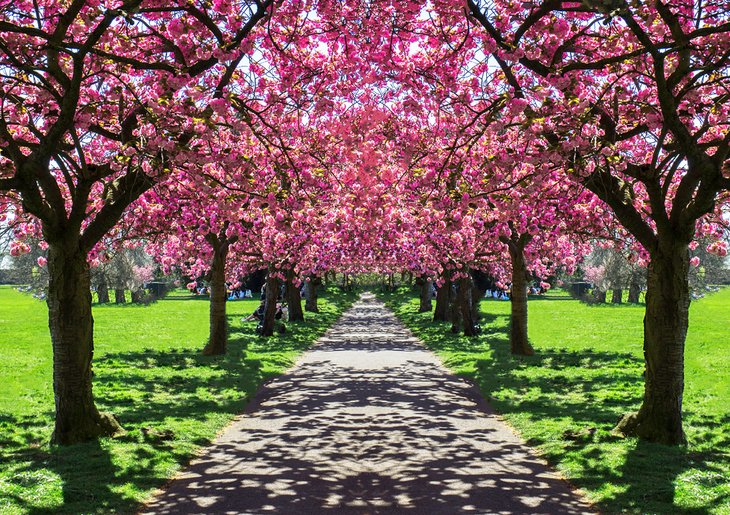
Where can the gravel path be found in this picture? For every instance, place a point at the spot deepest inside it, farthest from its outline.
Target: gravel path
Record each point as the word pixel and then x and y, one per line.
pixel 368 422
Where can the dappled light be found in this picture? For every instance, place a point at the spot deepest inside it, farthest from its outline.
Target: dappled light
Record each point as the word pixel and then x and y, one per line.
pixel 368 421
pixel 260 160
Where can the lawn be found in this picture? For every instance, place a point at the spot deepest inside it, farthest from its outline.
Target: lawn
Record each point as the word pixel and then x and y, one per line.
pixel 586 373
pixel 150 373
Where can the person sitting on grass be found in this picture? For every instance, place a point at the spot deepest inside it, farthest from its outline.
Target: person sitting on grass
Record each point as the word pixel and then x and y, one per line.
pixel 258 313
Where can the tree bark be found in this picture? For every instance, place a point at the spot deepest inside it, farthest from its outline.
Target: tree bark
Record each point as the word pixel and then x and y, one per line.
pixel 617 296
pixel 454 311
pixel 665 329
pixel 119 297
pixel 72 327
pixel 441 313
pixel 634 291
pixel 311 294
pixel 218 337
pixel 102 291
pixel 477 294
pixel 465 306
pixel 272 296
pixel 425 295
pixel 293 299
pixel 519 342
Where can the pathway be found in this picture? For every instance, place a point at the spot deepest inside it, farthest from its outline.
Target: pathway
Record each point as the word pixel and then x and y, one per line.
pixel 368 422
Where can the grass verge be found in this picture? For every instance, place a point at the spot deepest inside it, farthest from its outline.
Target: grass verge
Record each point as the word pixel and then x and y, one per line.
pixel 587 372
pixel 148 371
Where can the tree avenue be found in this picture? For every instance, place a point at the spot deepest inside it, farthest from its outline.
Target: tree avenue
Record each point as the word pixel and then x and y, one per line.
pixel 449 141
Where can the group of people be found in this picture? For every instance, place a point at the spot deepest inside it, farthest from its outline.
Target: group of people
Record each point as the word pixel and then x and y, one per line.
pixel 231 293
pixel 239 294
pixel 497 294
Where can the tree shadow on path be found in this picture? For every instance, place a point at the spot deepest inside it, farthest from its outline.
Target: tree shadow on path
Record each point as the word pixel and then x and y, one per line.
pixel 369 422
pixel 567 402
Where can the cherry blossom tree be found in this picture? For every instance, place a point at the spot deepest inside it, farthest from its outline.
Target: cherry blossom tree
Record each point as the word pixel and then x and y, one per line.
pixel 97 100
pixel 632 100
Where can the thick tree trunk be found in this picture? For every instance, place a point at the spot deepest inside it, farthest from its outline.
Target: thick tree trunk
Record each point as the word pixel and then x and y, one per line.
pixel 441 313
pixel 477 294
pixel 665 329
pixel 519 342
pixel 293 299
pixel 119 297
pixel 425 296
pixel 599 296
pixel 617 296
pixel 218 337
pixel 465 306
pixel 634 291
pixel 72 328
pixel 102 291
pixel 454 305
pixel 311 294
pixel 481 282
pixel 272 296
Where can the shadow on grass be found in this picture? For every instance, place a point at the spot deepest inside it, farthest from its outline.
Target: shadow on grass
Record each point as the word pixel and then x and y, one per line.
pixel 567 402
pixel 169 401
pixel 164 400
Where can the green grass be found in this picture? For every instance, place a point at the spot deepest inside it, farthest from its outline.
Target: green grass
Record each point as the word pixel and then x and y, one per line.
pixel 150 373
pixel 587 372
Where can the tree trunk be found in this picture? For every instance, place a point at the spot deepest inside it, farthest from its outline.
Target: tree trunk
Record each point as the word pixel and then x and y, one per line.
pixel 119 297
pixel 454 311
pixel 102 291
pixel 441 313
pixel 293 299
pixel 272 297
pixel 138 296
pixel 425 294
pixel 72 335
pixel 599 296
pixel 477 294
pixel 311 294
pixel 465 306
pixel 218 337
pixel 634 291
pixel 519 342
pixel 617 296
pixel 665 329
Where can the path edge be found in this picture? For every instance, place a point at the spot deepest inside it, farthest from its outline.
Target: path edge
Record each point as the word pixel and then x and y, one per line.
pixel 484 406
pixel 253 402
